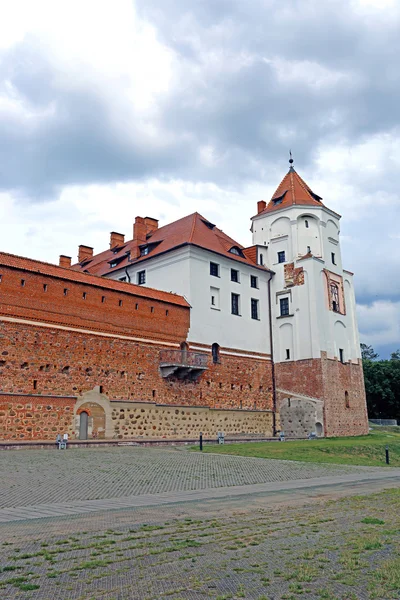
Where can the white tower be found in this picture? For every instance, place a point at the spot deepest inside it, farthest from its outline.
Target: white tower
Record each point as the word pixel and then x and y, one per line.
pixel 316 344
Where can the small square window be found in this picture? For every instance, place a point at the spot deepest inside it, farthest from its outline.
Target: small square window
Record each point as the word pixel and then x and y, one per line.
pixel 287 354
pixel 144 251
pixel 333 258
pixel 281 257
pixel 254 309
pixel 284 306
pixel 253 281
pixel 235 304
pixel 235 275
pixel 141 277
pixel 214 269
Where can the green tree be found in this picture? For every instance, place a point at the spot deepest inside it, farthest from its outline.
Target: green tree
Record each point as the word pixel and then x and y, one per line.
pixel 382 384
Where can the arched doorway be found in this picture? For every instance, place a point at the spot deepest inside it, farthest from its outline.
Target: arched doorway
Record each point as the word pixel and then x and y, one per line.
pixel 318 429
pixel 83 425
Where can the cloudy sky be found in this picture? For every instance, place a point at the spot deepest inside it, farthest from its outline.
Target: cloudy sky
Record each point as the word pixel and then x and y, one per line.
pixel 120 108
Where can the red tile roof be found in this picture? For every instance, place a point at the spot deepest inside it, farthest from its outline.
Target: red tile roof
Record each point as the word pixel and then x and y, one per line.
pixel 36 266
pixel 193 229
pixel 292 191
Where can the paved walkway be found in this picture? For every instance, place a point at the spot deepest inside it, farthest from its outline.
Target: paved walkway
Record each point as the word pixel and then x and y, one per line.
pixel 48 483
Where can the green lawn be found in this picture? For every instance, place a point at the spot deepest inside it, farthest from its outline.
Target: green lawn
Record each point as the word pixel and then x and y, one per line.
pixel 368 450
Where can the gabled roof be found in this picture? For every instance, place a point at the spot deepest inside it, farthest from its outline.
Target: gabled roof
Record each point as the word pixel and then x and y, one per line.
pixel 66 274
pixel 193 229
pixel 292 191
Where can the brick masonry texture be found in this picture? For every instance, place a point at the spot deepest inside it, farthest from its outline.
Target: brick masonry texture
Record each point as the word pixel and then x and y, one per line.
pixel 328 380
pixel 85 345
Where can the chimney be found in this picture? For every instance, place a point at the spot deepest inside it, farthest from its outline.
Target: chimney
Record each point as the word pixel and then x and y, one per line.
pixel 84 252
pixel 116 239
pixel 260 206
pixel 64 261
pixel 151 224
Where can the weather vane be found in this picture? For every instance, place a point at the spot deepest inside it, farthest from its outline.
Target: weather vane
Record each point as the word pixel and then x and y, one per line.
pixel 291 161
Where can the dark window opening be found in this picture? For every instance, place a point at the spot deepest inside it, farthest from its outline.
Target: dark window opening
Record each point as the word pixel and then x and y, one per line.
pixel 35 384
pixel 281 257
pixel 341 355
pixel 333 258
pixel 167 313
pixel 214 269
pixel 119 302
pixel 136 306
pixel 235 275
pixel 253 281
pixel 100 389
pixel 254 309
pixel 152 309
pixel 213 300
pixel 141 277
pixel 308 249
pixel 288 402
pixel 346 399
pixel 84 295
pixel 279 199
pixel 261 259
pixel 45 287
pixel 306 223
pixel 153 393
pixel 1 276
pixel 144 251
pixel 22 282
pixel 215 352
pixel 122 279
pixel 235 304
pixel 65 291
pixel 113 264
pixel 103 298
pixel 284 306
pixel 287 354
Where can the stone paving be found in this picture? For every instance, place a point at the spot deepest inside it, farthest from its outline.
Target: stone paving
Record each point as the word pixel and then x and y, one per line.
pixel 32 477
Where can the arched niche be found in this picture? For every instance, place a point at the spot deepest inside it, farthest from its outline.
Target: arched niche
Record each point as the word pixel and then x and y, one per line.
pixel 341 341
pixel 332 229
pixel 308 235
pixel 286 342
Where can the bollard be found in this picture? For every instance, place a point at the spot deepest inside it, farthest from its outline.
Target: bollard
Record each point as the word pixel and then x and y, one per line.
pixel 387 454
pixel 201 441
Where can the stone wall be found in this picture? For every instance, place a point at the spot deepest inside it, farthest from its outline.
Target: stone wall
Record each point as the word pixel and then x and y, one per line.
pixel 339 386
pixel 35 418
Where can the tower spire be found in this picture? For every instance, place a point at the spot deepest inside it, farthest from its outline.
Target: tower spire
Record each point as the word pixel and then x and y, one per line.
pixel 291 161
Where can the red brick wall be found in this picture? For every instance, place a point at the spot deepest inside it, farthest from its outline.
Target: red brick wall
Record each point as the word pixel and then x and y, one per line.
pixel 42 298
pixel 30 417
pixel 328 380
pixel 69 363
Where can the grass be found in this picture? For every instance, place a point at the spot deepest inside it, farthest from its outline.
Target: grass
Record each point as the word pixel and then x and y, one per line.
pixel 366 450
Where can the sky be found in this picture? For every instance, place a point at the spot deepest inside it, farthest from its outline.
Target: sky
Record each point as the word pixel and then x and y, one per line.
pixel 160 108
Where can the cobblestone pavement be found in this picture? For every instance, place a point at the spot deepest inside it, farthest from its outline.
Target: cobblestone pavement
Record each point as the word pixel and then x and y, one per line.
pixel 31 477
pixel 333 549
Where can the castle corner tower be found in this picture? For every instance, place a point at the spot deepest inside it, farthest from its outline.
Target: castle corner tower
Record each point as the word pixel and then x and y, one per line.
pixel 318 369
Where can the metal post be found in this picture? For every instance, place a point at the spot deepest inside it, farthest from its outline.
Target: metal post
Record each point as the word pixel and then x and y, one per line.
pixel 201 441
pixel 387 455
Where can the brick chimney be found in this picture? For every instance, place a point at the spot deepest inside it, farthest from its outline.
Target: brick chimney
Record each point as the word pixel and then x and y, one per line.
pixel 139 236
pixel 64 261
pixel 260 206
pixel 151 224
pixel 116 239
pixel 84 252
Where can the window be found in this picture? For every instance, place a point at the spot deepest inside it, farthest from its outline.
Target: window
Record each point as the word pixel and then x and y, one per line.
pixel 287 354
pixel 214 269
pixel 284 306
pixel 45 287
pixel 261 259
pixel 65 291
pixel 335 297
pixel 306 224
pixel 253 281
pixel 141 277
pixel 144 251
pixel 254 309
pixel 121 278
pixel 214 297
pixel 235 275
pixel 1 276
pixel 235 304
pixel 84 295
pixel 341 355
pixel 22 282
pixel 346 399
pixel 113 264
pixel 308 249
pixel 215 353
pixel 281 257
pixel 103 298
pixel 119 302
pixel 333 258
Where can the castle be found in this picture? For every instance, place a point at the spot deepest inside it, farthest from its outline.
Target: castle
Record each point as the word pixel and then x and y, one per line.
pixel 182 330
